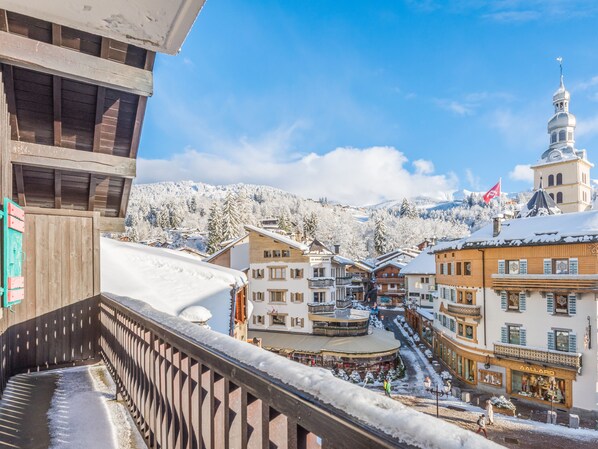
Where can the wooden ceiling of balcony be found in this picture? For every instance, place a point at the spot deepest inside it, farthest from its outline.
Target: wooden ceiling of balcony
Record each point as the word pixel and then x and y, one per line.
pixel 73 143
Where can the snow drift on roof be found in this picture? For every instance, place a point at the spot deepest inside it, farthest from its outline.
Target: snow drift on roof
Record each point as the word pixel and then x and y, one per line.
pixel 279 237
pixel 168 280
pixel 423 264
pixel 576 227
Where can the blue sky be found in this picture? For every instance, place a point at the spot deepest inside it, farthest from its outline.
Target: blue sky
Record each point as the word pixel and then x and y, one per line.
pixel 367 101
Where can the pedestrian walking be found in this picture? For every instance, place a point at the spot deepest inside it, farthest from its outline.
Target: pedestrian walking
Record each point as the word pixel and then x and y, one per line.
pixel 388 387
pixel 490 412
pixel 482 425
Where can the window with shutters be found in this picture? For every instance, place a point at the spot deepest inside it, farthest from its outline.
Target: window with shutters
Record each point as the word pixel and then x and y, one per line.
pixel 467 268
pixel 286 253
pixel 458 273
pixel 561 340
pixel 275 253
pixel 560 266
pixel 441 268
pixel 319 296
pixel 297 322
pixel 514 334
pixel 296 273
pixel 296 297
pixel 449 268
pixel 258 319
pixel 277 273
pixel 267 254
pixel 512 267
pixel 278 319
pixel 513 303
pixel 278 295
pixel 501 267
pixel 320 272
pixel 258 296
pixel 561 304
pixel 258 273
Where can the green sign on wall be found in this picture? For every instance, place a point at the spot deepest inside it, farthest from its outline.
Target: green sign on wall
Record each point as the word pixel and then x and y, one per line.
pixel 13 281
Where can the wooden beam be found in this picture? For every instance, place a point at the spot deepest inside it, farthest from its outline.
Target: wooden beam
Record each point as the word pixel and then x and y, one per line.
pixel 47 58
pixel 139 116
pixel 97 133
pixel 37 155
pixel 124 199
pixel 57 189
pixel 57 100
pixel 56 34
pixel 91 203
pixel 9 84
pixel 20 185
pixel 3 20
pixel 112 224
pixel 150 58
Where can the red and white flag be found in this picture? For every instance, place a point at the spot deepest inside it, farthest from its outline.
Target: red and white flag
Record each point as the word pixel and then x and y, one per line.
pixel 494 192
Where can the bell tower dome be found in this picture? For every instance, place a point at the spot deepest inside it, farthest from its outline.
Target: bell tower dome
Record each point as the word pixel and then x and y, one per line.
pixel 565 169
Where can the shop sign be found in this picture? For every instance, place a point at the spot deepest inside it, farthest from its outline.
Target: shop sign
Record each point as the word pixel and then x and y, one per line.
pixel 531 369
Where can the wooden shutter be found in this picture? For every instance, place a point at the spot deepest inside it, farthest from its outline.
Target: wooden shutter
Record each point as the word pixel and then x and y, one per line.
pixel 572 304
pixel 523 266
pixel 547 266
pixel 501 267
pixel 550 302
pixel 523 336
pixel 503 300
pixel 573 266
pixel 572 342
pixel 551 340
pixel 503 335
pixel 522 302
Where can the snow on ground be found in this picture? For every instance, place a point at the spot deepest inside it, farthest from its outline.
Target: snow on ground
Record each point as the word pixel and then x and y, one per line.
pixel 168 280
pixel 84 415
pixel 414 356
pixel 392 417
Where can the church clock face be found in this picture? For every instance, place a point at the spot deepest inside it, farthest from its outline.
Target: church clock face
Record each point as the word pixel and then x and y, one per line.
pixel 554 155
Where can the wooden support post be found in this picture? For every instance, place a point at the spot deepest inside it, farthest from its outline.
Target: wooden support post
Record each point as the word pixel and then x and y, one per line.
pixel 124 202
pixel 139 115
pixel 92 193
pixel 3 20
pixel 57 97
pixel 97 133
pixel 57 189
pixel 18 173
pixel 9 84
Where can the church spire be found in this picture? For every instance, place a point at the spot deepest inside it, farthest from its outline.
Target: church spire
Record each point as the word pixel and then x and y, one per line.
pixel 560 61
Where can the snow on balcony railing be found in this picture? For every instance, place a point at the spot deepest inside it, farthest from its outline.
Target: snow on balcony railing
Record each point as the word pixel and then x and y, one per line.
pixel 547 356
pixel 175 375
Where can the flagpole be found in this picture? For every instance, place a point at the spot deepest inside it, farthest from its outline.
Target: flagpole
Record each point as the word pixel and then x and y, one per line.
pixel 500 196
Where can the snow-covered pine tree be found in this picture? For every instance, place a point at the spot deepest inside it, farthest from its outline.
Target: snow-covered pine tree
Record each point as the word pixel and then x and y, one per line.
pixel 214 229
pixel 380 236
pixel 163 217
pixel 310 225
pixel 284 224
pixel 231 222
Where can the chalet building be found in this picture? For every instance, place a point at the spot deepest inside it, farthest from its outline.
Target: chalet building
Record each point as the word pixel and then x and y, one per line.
pixel 361 281
pixel 390 283
pixel 564 169
pixel 517 312
pixel 301 302
pixel 420 279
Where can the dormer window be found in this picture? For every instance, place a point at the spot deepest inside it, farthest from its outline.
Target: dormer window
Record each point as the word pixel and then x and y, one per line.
pixel 553 137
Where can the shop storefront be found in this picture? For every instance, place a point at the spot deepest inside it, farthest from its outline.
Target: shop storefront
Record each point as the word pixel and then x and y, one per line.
pixel 544 387
pixel 459 362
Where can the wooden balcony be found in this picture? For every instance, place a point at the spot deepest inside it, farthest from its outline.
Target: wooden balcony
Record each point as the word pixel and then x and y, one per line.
pixel 324 307
pixel 320 282
pixel 187 387
pixel 570 283
pixel 344 280
pixel 542 356
pixel 464 310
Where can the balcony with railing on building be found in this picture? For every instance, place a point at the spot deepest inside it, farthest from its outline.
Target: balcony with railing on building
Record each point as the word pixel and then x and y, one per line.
pixel 343 280
pixel 464 310
pixel 550 357
pixel 335 319
pixel 556 275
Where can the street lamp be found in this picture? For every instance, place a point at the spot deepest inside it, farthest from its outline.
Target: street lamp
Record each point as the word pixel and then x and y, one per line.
pixel 438 392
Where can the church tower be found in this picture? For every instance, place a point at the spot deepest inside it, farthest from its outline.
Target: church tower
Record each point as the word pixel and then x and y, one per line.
pixel 564 169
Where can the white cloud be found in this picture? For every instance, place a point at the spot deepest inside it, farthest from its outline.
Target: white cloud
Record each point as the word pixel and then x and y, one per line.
pixel 423 167
pixel 349 175
pixel 522 172
pixel 472 180
pixel 454 106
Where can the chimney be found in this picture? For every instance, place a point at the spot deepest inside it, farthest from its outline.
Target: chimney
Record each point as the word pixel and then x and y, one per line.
pixel 497 225
pixel 337 249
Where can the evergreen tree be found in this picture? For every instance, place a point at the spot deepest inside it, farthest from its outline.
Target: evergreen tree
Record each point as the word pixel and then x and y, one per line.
pixel 231 222
pixel 214 229
pixel 163 218
pixel 192 204
pixel 380 236
pixel 284 224
pixel 310 226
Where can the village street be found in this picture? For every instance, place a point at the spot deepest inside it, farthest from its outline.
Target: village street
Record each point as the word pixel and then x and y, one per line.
pixel 509 431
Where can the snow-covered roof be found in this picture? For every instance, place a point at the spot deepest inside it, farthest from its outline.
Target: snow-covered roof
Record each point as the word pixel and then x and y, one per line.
pixel 393 263
pixel 168 280
pixel 579 227
pixel 426 313
pixel 424 263
pixel 278 237
pixel 227 247
pixel 343 260
pixel 539 204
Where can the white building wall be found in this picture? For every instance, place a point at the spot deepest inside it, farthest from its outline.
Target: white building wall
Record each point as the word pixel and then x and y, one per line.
pixel 417 289
pixel 239 255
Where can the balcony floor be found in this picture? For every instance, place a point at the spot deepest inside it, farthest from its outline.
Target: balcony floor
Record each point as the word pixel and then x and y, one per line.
pixel 66 408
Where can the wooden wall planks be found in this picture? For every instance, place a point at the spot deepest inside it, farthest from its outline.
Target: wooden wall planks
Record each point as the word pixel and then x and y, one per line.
pixel 57 322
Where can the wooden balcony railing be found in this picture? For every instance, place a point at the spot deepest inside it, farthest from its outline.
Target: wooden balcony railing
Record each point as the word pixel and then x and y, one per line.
pixel 320 307
pixel 188 387
pixel 554 358
pixel 579 283
pixel 464 310
pixel 344 280
pixel 336 330
pixel 320 282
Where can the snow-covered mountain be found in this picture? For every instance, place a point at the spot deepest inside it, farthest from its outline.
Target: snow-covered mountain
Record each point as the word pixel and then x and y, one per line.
pixel 178 213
